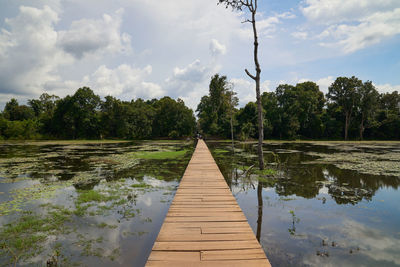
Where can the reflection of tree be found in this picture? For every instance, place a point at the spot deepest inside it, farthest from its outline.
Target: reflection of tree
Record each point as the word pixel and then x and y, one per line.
pixel 352 187
pixel 300 181
pixel 292 229
pixel 260 210
pixel 305 180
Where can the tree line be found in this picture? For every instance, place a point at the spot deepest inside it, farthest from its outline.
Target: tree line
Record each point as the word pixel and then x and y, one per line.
pixel 352 109
pixel 84 115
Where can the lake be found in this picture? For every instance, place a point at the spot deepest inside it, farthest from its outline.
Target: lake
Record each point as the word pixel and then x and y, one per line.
pixel 322 203
pixel 99 203
pixel 86 204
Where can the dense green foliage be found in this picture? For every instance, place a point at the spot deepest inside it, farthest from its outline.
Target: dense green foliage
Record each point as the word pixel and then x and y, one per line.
pixel 351 109
pixel 215 109
pixel 85 115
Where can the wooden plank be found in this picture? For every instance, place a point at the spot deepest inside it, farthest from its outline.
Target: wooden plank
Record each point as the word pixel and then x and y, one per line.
pixel 204 225
pixel 164 237
pixel 177 256
pixel 205 245
pixel 234 263
pixel 242 254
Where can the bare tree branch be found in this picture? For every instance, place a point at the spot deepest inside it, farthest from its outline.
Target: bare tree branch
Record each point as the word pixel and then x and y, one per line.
pixel 251 76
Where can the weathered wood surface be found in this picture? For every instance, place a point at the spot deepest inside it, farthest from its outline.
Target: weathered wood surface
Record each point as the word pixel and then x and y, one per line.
pixel 204 225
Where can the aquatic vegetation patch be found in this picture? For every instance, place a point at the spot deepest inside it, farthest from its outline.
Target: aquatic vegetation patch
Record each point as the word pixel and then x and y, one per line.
pixel 25 237
pixel 100 188
pixel 221 150
pixel 158 155
pixel 367 163
pixel 85 196
pixel 268 172
pixel 23 196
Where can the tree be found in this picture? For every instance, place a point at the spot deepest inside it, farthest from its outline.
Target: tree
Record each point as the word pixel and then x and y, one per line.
pixel 172 118
pixel 77 116
pixel 368 96
pixel 44 108
pixel 311 102
pixel 288 110
pixel 388 116
pixel 15 112
pixel 247 120
pixel 343 94
pixel 251 6
pixel 214 110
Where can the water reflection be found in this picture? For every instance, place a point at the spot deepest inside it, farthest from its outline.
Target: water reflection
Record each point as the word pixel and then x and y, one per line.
pixel 298 177
pixel 314 213
pixel 107 201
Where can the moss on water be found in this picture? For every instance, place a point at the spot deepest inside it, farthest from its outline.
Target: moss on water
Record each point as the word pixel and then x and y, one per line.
pixel 22 196
pixel 367 163
pixel 160 154
pixel 93 196
pixel 220 150
pixel 121 174
pixel 25 237
pixel 140 185
pixel 269 172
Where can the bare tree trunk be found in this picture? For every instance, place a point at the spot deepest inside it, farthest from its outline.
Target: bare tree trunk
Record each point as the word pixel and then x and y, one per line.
pixel 346 126
pixel 231 111
pixel 362 128
pixel 256 78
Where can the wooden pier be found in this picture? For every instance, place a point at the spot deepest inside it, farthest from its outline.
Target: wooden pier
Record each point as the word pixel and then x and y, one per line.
pixel 204 225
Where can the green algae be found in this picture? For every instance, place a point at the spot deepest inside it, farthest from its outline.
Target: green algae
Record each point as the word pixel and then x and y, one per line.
pixel 85 196
pixel 121 177
pixel 25 237
pixel 367 163
pixel 23 196
pixel 159 155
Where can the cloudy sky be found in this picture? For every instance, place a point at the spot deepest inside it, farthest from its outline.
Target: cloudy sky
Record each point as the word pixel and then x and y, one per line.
pixel 152 48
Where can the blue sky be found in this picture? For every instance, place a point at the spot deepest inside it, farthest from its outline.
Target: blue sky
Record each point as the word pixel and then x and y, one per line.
pixel 147 49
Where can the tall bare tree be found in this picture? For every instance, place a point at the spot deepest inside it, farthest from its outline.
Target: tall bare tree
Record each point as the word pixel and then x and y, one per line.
pixel 251 6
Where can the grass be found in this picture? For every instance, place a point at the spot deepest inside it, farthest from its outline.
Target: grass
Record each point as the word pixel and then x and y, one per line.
pixel 220 150
pixel 62 142
pixel 86 196
pixel 160 154
pixel 25 237
pixel 141 185
pixel 265 171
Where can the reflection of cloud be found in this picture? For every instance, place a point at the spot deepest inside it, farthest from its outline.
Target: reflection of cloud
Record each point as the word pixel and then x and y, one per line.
pixel 374 244
pixel 146 200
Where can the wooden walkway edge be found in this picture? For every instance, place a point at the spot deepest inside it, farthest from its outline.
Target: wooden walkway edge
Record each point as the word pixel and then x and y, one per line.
pixel 204 225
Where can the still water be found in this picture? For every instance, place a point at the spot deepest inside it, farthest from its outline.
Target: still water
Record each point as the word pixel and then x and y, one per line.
pixel 320 204
pixel 78 204
pixel 102 204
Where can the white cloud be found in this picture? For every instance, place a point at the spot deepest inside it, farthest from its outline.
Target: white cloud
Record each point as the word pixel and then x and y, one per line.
pixel 124 82
pixel 353 24
pixel 189 78
pixel 217 48
pixel 87 36
pixel 28 53
pixel 246 91
pixel 370 30
pixel 300 35
pixel 324 83
pixel 32 52
pixel 338 11
pixel 387 88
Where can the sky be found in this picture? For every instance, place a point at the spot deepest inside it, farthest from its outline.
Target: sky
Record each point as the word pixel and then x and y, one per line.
pixel 150 48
